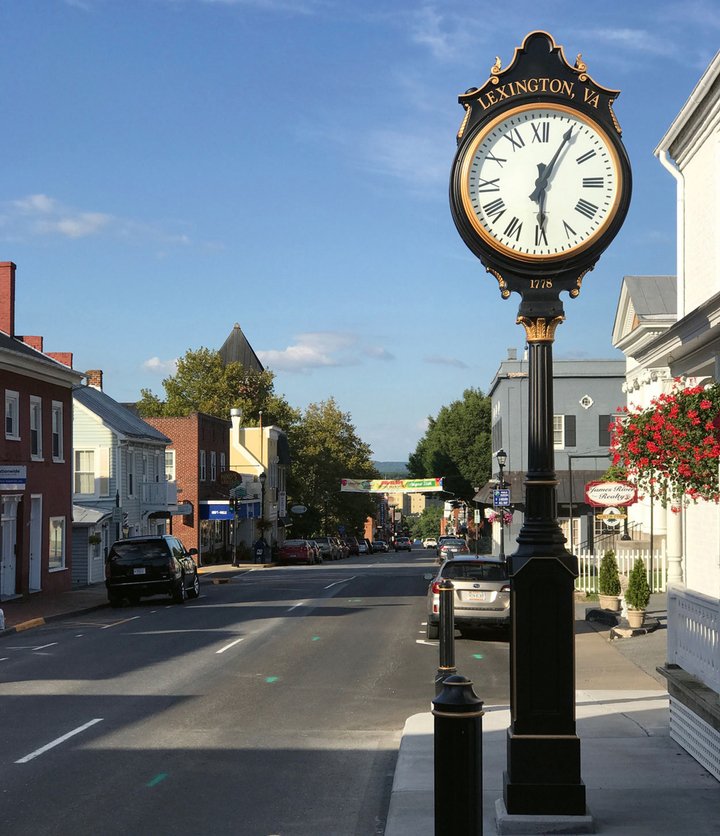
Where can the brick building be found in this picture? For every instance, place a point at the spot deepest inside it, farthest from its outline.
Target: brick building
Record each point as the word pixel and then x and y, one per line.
pixel 195 458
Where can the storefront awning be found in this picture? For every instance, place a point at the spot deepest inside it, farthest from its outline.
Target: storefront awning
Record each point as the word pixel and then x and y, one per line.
pixel 248 509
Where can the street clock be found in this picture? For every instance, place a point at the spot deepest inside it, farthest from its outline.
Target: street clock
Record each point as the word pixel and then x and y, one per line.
pixel 541 181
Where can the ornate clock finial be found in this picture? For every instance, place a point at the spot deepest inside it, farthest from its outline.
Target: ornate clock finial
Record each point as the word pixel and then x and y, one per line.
pixel 496 67
pixel 580 64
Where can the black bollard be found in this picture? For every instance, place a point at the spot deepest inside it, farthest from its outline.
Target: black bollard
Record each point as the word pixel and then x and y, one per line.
pixel 446 634
pixel 458 759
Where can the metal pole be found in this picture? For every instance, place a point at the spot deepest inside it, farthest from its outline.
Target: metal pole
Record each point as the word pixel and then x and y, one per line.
pixel 502 517
pixel 570 504
pixel 458 759
pixel 446 634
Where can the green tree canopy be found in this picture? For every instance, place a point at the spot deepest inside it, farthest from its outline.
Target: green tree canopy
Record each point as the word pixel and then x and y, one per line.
pixel 457 445
pixel 202 383
pixel 325 447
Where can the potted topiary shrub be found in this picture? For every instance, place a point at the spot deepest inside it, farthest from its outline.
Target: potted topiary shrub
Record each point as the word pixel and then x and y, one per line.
pixel 637 594
pixel 609 582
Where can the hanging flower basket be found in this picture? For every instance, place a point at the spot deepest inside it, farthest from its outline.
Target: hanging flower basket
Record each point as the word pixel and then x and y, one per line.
pixel 672 448
pixel 494 516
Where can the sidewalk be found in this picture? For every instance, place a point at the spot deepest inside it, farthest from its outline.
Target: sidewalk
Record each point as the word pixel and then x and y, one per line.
pixel 39 608
pixel 638 781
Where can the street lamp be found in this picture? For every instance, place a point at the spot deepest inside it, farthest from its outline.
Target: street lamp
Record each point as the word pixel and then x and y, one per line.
pixel 501 457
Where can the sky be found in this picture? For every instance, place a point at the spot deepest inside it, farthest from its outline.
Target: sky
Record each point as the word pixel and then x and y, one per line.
pixel 172 167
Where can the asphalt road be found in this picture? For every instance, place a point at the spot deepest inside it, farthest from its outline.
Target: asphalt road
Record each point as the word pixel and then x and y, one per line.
pixel 270 706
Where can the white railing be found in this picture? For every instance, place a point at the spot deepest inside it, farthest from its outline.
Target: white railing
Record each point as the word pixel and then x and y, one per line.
pixel 159 493
pixel 694 634
pixel 589 568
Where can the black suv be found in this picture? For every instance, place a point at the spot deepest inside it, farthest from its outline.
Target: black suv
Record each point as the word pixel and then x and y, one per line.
pixel 151 565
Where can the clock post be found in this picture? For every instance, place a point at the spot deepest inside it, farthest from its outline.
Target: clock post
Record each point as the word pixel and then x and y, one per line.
pixel 540 185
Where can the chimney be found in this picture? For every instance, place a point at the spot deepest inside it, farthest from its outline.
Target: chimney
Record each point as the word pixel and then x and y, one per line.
pixel 512 353
pixel 7 297
pixel 33 342
pixel 64 357
pixel 94 378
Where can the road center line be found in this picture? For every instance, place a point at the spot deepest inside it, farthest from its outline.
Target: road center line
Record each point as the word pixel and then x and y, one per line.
pixel 295 606
pixel 43 646
pixel 337 583
pixel 232 644
pixel 59 740
pixel 124 621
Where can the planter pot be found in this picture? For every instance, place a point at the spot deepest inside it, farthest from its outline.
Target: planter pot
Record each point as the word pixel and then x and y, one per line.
pixel 610 602
pixel 635 618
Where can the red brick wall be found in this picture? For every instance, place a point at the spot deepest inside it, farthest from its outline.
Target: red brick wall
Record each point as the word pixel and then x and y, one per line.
pixel 7 297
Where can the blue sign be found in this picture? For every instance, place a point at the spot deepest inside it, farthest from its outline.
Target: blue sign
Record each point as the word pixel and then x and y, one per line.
pixel 219 510
pixel 501 497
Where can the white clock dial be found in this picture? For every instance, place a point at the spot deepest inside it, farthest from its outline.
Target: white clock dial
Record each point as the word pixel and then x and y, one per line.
pixel 541 182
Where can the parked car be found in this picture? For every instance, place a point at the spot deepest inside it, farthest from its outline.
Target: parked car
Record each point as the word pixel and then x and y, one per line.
pixel 451 546
pixel 481 596
pixel 342 547
pixel 403 544
pixel 363 547
pixel 353 545
pixel 328 548
pixel 296 551
pixel 368 545
pixel 430 543
pixel 380 546
pixel 138 567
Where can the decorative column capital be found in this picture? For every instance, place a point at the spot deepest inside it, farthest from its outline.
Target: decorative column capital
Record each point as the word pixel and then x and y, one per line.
pixel 540 329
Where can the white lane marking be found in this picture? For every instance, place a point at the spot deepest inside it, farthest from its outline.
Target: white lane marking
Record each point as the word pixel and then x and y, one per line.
pixel 43 646
pixel 228 646
pixel 337 583
pixel 295 606
pixel 4 659
pixel 58 741
pixel 116 623
pixel 422 641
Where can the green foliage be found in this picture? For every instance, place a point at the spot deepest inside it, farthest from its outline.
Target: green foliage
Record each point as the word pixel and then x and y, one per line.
pixel 457 445
pixel 609 576
pixel 202 383
pixel 426 524
pixel 325 448
pixel 637 594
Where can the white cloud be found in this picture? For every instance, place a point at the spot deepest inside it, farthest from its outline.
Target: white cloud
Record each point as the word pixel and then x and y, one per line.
pixel 440 360
pixel 321 349
pixel 155 364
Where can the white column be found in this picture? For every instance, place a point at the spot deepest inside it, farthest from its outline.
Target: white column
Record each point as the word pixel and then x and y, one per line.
pixel 673 523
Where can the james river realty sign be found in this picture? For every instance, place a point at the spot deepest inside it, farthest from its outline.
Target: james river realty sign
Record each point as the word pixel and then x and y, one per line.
pixel 606 494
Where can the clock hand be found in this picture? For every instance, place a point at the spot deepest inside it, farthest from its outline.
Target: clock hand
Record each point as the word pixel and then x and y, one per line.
pixel 544 171
pixel 542 217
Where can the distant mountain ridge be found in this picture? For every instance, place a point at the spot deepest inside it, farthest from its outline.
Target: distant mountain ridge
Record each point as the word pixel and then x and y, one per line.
pixel 392 470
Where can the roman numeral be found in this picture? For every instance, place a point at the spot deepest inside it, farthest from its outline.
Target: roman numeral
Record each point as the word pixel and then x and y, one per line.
pixel 593 182
pixel 569 231
pixel 495 209
pixel 515 139
pixel 540 236
pixel 514 228
pixel 586 208
pixel 583 158
pixel 541 132
pixel 498 160
pixel 488 185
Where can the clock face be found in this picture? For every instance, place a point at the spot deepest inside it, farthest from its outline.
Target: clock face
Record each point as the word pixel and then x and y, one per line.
pixel 540 183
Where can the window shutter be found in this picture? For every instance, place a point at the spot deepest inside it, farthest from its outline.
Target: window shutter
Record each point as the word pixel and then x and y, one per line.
pixel 570 440
pixel 604 430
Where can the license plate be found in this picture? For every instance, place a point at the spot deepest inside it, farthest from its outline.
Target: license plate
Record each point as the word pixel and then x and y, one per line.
pixel 139 570
pixel 477 596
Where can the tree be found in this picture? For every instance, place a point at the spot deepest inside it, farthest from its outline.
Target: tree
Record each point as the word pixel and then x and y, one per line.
pixel 325 448
pixel 457 445
pixel 202 383
pixel 426 524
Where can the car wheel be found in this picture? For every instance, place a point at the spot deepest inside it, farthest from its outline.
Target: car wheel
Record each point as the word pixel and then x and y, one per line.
pixel 115 601
pixel 194 590
pixel 433 630
pixel 180 593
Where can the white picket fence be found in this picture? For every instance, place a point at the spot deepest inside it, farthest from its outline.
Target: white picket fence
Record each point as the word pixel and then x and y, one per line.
pixel 589 568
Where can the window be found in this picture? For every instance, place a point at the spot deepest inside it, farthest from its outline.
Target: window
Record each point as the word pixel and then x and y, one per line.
pixel 604 430
pixel 170 465
pixel 202 466
pixel 36 427
pixel 12 415
pixel 84 472
pixel 57 543
pixel 564 431
pixel 130 460
pixel 223 465
pixel 58 450
pixel 213 466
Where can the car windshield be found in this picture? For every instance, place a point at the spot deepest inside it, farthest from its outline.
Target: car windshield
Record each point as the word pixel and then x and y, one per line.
pixel 475 571
pixel 453 542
